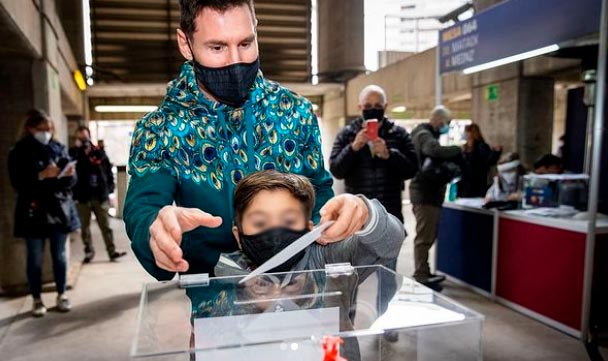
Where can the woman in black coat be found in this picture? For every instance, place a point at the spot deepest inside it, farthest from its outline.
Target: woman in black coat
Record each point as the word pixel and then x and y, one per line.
pixel 478 159
pixel 42 175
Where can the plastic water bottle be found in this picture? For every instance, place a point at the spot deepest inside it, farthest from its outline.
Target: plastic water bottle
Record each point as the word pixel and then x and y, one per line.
pixel 452 191
pixel 496 189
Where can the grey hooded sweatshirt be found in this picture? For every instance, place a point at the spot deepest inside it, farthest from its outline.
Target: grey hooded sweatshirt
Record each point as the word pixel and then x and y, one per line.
pixel 377 244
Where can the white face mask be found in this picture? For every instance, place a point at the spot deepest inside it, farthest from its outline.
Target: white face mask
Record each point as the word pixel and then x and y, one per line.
pixel 510 178
pixel 43 137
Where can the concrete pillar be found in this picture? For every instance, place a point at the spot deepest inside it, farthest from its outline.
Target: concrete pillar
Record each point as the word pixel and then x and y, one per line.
pixel 18 79
pixel 331 123
pixel 15 100
pixel 122 181
pixel 341 45
pixel 47 96
pixel 29 80
pixel 535 117
pixel 519 114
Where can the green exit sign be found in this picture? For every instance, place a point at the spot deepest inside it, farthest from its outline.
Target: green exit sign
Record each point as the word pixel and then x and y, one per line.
pixel 492 92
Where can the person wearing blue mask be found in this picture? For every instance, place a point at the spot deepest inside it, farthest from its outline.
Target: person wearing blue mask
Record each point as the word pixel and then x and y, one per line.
pixel 427 194
pixel 220 121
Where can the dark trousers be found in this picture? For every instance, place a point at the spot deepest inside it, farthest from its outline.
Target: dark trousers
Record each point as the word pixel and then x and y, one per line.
pixel 100 209
pixel 35 253
pixel 427 221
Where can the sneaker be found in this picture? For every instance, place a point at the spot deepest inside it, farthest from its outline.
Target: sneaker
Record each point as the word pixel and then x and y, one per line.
pixel 39 309
pixel 435 286
pixel 114 255
pixel 88 256
pixel 63 303
pixel 436 278
pixel 431 278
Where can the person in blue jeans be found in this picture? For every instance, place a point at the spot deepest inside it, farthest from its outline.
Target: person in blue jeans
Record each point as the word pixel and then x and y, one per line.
pixel 42 175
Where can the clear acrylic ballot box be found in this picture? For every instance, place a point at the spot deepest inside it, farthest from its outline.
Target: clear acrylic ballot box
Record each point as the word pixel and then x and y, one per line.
pixel 374 313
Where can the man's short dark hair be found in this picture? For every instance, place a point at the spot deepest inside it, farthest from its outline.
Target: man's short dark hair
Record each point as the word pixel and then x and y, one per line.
pixel 269 180
pixel 191 8
pixel 83 128
pixel 548 160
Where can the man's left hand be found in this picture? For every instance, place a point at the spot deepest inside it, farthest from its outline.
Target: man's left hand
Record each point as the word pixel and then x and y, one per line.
pixel 380 149
pixel 350 214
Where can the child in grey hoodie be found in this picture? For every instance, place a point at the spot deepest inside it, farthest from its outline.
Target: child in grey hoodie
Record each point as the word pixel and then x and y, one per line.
pixel 273 209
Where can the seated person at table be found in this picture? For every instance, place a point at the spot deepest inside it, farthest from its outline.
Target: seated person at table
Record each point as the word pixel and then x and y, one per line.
pixel 274 209
pixel 506 186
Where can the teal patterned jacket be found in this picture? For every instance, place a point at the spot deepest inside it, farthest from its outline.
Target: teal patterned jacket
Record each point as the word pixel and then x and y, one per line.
pixel 193 151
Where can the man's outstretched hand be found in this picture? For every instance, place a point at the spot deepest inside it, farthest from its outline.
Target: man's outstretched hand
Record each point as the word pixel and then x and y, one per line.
pixel 166 234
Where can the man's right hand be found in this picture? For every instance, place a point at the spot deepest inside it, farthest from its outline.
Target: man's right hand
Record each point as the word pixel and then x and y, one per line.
pixel 166 234
pixel 360 140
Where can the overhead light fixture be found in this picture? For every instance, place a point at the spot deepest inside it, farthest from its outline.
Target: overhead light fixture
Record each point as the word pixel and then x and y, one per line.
pixel 125 108
pixel 399 109
pixel 454 14
pixel 511 59
pixel 88 44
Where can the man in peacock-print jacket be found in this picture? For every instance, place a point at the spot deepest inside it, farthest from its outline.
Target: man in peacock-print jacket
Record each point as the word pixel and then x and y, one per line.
pixel 193 151
pixel 220 120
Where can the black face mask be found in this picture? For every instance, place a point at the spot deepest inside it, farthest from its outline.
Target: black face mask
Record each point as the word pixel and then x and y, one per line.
pixel 373 113
pixel 230 84
pixel 262 246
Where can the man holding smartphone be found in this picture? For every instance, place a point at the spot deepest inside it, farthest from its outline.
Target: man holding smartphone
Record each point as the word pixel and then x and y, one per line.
pixel 373 155
pixel 95 183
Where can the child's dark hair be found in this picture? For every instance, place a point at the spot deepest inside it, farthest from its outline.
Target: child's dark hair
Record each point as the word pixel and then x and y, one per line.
pixel 298 186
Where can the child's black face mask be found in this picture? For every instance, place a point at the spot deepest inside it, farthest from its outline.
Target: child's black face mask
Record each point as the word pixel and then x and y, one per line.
pixel 262 246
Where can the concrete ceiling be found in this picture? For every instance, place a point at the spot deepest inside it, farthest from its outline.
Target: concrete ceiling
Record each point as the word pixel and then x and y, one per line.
pixel 134 41
pixel 13 42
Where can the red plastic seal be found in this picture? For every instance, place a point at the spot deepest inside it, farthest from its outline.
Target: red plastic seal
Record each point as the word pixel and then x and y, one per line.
pixel 331 347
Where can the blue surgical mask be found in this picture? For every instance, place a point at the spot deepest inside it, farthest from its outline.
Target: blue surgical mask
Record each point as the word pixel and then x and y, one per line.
pixel 445 129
